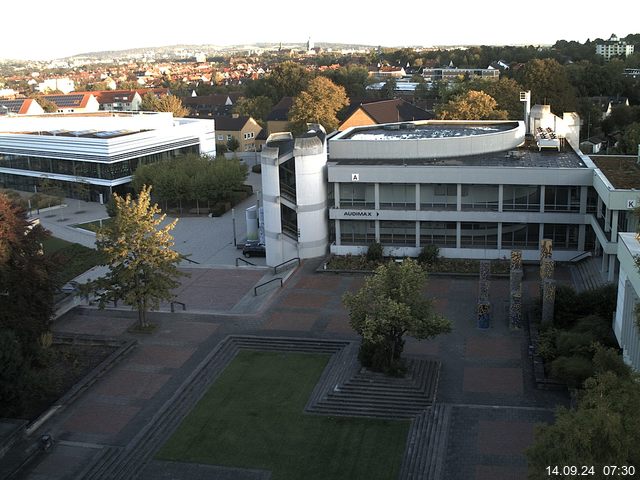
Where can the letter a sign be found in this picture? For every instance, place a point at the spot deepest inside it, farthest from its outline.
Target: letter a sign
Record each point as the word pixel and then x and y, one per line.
pixel 355 177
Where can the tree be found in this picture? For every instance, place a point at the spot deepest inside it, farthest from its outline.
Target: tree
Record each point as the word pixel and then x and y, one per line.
pixel 257 107
pixel 354 79
pixel 549 84
pixel 319 103
pixel 288 79
pixel 472 105
pixel 143 269
pixel 630 139
pixel 26 276
pixel 506 93
pixel 388 90
pixel 166 103
pixel 388 306
pixel 233 144
pixel 604 429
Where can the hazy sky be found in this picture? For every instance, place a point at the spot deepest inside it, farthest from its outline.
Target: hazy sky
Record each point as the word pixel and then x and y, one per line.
pixel 45 30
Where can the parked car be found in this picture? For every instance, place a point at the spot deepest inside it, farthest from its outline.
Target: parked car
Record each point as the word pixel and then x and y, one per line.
pixel 253 248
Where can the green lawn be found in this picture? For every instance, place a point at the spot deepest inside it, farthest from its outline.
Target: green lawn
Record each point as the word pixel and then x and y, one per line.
pixel 252 417
pixel 95 225
pixel 72 258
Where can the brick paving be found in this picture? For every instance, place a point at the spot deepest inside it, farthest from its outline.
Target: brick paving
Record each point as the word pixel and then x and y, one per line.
pixel 485 374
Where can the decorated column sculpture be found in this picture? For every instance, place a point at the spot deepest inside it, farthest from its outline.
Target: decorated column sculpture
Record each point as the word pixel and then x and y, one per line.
pixel 484 306
pixel 515 290
pixel 548 300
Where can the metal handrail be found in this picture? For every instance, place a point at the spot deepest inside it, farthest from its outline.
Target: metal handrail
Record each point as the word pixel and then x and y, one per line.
pixel 275 269
pixel 580 257
pixel 184 257
pixel 245 261
pixel 184 306
pixel 255 289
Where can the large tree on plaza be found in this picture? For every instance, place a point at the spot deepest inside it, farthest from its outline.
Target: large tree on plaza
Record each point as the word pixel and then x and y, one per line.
pixel 26 275
pixel 319 103
pixel 143 268
pixel 165 103
pixel 388 306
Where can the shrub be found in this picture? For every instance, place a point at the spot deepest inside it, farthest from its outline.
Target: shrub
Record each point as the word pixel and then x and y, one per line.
pixel 609 360
pixel 429 254
pixel 570 306
pixel 111 207
pixel 375 252
pixel 597 326
pixel 574 343
pixel 573 370
pixel 546 347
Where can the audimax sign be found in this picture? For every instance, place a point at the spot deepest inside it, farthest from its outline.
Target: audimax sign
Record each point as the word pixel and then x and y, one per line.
pixel 360 213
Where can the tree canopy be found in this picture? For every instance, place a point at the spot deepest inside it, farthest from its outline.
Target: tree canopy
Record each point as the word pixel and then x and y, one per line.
pixel 143 268
pixel 604 429
pixel 257 107
pixel 549 84
pixel 389 305
pixel 165 103
pixel 319 103
pixel 472 105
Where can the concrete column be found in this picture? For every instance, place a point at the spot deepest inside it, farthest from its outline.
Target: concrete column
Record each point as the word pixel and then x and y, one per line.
pixel 417 196
pixel 377 230
pixel 614 225
pixel 337 229
pixel 376 197
pixel 612 268
pixel 500 198
pixel 336 195
pixel 599 208
pixel 583 199
pixel 582 234
pixel 542 193
pixel 605 259
pixel 607 220
pixel 458 230
pixel 548 300
pixel 499 235
pixel 459 197
pixel 418 233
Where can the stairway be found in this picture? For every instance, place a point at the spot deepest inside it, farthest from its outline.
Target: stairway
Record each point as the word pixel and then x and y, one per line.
pixel 586 274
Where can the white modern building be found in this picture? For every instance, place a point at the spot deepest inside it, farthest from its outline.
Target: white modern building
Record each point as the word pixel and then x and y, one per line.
pixel 614 48
pixel 625 325
pixel 101 150
pixel 64 85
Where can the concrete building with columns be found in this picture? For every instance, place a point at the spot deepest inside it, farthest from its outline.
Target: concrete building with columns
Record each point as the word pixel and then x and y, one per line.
pixel 625 326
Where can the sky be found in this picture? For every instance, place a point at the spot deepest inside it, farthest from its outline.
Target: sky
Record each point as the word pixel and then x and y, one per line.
pixel 48 30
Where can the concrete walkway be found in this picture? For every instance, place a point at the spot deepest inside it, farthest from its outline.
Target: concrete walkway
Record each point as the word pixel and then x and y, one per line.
pixel 485 378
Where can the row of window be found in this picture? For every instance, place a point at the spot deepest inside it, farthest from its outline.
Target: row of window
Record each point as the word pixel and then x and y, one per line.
pixel 472 235
pixel 78 168
pixel 473 197
pixel 247 136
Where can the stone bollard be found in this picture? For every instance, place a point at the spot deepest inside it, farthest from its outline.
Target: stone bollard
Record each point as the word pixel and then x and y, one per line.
pixel 515 299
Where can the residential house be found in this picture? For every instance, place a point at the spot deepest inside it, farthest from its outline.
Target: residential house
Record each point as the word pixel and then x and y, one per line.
pixel 21 106
pixel 384 111
pixel 278 118
pixel 62 84
pixel 211 105
pixel 117 100
pixel 243 128
pixel 74 102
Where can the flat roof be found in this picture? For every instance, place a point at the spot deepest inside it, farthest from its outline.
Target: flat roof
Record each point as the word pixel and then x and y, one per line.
pixel 86 133
pixel 524 157
pixel 416 131
pixel 622 171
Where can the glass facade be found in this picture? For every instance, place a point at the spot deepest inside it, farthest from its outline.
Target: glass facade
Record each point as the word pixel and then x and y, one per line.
pixel 521 198
pixel 397 233
pixel 478 235
pixel 442 196
pixel 520 235
pixel 564 237
pixel 400 196
pixel 480 197
pixel 97 170
pixel 357 232
pixel 561 199
pixel 361 195
pixel 442 234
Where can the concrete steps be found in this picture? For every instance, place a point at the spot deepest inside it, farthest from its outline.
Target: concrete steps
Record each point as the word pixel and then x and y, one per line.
pixel 586 274
pixel 427 444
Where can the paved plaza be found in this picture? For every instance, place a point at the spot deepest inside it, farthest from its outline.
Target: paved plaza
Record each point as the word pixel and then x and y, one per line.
pixel 485 377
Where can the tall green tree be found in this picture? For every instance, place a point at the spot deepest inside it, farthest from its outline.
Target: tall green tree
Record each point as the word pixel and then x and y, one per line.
pixel 287 79
pixel 26 276
pixel 549 84
pixel 388 306
pixel 319 103
pixel 257 107
pixel 604 429
pixel 143 268
pixel 472 105
pixel 354 79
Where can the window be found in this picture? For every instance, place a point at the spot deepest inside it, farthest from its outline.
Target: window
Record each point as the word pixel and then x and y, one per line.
pixel 357 195
pixel 398 196
pixel 479 235
pixel 519 198
pixel 398 233
pixel 480 197
pixel 438 196
pixel 561 199
pixel 220 137
pixel 564 237
pixel 357 232
pixel 442 234
pixel 229 137
pixel 520 235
